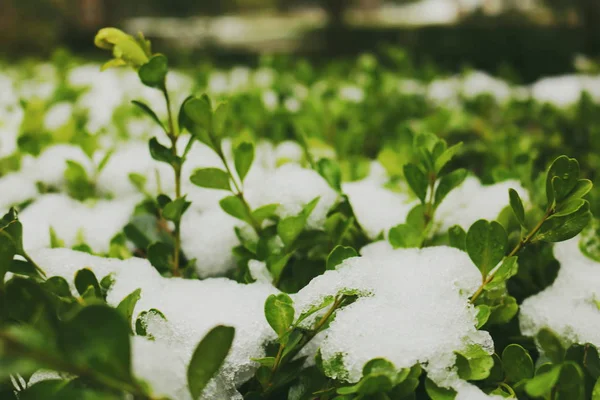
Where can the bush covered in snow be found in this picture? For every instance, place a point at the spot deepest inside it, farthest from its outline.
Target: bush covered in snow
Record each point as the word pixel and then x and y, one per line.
pixel 292 234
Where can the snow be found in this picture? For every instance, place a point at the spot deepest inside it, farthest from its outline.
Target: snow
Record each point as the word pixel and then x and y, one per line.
pixel 209 237
pixel 444 91
pixel 74 222
pixel 215 302
pixel 16 188
pixel 565 90
pixel 352 94
pixel 568 306
pixel 50 166
pixel 472 201
pixel 477 83
pixel 376 208
pixel 134 157
pixel 467 391
pixel 414 309
pixel 289 151
pixel 292 187
pixel 58 115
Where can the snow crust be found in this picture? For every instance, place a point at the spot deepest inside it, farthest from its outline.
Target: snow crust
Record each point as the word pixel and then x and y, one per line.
pixel 568 306
pixel 414 309
pixel 472 201
pixel 191 307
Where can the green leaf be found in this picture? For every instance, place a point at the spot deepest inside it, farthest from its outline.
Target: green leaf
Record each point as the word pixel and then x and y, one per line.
pixel 438 393
pixel 417 181
pixel 11 227
pixel 404 236
pixel 208 358
pixel 291 339
pixel 243 157
pixel 507 270
pixel 551 345
pixel 560 228
pixel 473 363
pixel 338 255
pixel 279 311
pixel 331 172
pixel 154 72
pixel 199 112
pixel 543 383
pixel 162 153
pixel 571 383
pixel 220 116
pixel 318 307
pixel 446 156
pixel 7 253
pixel 104 161
pixel 98 338
pixel 457 237
pixel 582 188
pixel 84 279
pixel 517 206
pixel 58 286
pixel 406 389
pixel 24 268
pixel 568 207
pixel 174 210
pixel 79 185
pixel 517 362
pixel 138 180
pixel 18 362
pixel 483 314
pixel 591 360
pixel 160 256
pixel 425 140
pixel 148 111
pixel 235 207
pixel 276 263
pixel 596 391
pixel 505 311
pixel 55 241
pixel 448 183
pixel 127 305
pixel 561 178
pixel 141 324
pixel 486 245
pixel 290 228
pixel 265 212
pixel 265 361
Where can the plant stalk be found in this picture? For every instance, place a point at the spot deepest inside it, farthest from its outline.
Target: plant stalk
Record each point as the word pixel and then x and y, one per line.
pixel 522 243
pixel 173 135
pixel 240 193
pixel 308 336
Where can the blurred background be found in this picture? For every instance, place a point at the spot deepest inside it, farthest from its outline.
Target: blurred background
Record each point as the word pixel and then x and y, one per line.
pixel 525 38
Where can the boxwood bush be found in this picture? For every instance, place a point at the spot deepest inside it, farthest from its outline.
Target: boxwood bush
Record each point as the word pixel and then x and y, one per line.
pixel 347 231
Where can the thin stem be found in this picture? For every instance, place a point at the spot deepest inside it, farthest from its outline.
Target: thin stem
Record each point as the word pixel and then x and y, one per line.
pixel 239 192
pixel 308 336
pixel 177 232
pixel 428 212
pixel 172 128
pixel 522 243
pixel 338 301
pixel 277 359
pixel 173 135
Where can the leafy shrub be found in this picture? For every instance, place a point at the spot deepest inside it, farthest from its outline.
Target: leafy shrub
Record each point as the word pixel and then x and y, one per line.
pixel 309 238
